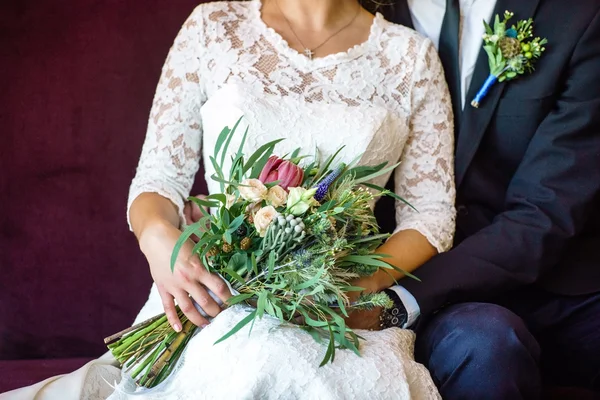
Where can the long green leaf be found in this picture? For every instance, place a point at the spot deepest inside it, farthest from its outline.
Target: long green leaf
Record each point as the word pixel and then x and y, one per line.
pixel 259 158
pixel 240 298
pixel 226 146
pixel 376 174
pixel 367 260
pixel 234 275
pixel 238 326
pixel 236 223
pixel 218 172
pixel 220 140
pixel 311 281
pixel 389 193
pixel 271 265
pixel 260 305
pixel 187 233
pixel 330 353
pixel 325 167
pixel 203 203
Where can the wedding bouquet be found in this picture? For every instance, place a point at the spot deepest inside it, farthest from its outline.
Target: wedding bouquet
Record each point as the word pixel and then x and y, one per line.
pixel 287 239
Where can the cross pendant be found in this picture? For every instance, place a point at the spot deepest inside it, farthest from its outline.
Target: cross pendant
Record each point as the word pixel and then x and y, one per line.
pixel 308 53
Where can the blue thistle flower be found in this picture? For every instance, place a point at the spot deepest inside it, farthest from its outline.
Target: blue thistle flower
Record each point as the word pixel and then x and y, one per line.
pixel 323 187
pixel 302 258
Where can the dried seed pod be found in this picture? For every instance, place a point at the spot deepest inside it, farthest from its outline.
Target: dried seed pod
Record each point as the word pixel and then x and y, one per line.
pixel 245 243
pixel 227 248
pixel 213 252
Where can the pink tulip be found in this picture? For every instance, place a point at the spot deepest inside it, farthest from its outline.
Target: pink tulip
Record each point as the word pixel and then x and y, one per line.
pixel 287 173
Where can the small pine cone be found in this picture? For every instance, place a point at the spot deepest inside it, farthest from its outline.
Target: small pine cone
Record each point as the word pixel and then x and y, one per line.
pixel 250 218
pixel 510 47
pixel 213 252
pixel 245 243
pixel 227 248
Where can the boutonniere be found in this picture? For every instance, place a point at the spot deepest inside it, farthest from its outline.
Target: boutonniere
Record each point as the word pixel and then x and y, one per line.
pixel 511 52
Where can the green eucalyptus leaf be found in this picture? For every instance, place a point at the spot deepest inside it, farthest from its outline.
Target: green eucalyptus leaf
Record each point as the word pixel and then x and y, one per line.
pixel 330 353
pixel 376 174
pixel 389 193
pixel 220 140
pixel 240 298
pixel 233 274
pixel 228 141
pixel 261 154
pixel 238 326
pixel 187 233
pixel 260 305
pixel 236 223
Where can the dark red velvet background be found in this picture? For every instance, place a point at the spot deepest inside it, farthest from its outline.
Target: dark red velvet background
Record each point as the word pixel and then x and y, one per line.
pixel 76 86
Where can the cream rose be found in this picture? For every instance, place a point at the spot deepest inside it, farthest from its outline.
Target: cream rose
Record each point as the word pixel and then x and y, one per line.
pixel 253 190
pixel 277 196
pixel 263 219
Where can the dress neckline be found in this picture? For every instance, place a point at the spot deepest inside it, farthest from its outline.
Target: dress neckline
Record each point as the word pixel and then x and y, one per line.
pixel 300 59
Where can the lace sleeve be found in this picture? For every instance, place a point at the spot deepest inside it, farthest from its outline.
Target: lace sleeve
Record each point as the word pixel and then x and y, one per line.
pixel 171 151
pixel 425 178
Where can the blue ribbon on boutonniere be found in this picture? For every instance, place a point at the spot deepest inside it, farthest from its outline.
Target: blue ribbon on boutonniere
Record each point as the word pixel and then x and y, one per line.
pixel 511 52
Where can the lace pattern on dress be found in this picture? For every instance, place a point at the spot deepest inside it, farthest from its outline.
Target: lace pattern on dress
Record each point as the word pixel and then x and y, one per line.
pixel 227 43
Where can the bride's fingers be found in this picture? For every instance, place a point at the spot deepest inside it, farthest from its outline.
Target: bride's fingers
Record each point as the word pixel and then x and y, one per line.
pixel 169 307
pixel 187 212
pixel 201 296
pixel 196 213
pixel 190 311
pixel 215 284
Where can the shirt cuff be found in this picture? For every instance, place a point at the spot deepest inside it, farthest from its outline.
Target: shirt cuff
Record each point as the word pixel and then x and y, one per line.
pixel 410 303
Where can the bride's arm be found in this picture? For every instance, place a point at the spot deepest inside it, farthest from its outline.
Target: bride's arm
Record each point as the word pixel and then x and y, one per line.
pixel 171 151
pixel 425 177
pixel 165 174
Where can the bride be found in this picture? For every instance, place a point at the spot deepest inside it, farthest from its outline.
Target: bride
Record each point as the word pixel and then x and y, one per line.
pixel 321 74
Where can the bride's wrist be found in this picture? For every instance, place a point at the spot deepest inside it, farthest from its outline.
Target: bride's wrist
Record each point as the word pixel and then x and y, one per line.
pixel 381 280
pixel 152 228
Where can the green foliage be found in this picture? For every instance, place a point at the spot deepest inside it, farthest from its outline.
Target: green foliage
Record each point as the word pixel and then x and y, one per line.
pixel 525 49
pixel 302 265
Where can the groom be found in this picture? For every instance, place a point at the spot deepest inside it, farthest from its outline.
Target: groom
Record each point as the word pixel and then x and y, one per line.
pixel 517 301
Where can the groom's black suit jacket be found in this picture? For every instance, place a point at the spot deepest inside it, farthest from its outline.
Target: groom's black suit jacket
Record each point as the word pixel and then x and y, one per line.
pixel 527 169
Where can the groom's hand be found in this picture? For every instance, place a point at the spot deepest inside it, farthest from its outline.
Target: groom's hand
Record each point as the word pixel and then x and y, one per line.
pixel 364 319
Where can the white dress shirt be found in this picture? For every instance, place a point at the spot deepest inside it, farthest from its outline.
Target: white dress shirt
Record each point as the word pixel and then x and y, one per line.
pixel 427 17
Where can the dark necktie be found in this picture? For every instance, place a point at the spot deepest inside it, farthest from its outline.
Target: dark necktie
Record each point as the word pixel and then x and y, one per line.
pixel 448 50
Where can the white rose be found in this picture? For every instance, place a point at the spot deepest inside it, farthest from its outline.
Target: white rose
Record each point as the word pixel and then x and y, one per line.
pixel 263 219
pixel 252 190
pixel 277 196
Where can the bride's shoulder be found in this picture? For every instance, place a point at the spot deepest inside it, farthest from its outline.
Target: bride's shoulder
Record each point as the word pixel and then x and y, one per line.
pixel 399 39
pixel 220 12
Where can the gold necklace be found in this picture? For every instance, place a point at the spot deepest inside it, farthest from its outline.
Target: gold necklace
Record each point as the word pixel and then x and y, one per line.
pixel 307 51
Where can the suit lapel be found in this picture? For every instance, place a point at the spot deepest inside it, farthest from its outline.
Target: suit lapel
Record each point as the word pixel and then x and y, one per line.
pixel 475 121
pixel 398 13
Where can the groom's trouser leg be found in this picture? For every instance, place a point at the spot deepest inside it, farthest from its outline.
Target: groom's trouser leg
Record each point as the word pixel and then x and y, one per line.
pixel 480 351
pixel 568 331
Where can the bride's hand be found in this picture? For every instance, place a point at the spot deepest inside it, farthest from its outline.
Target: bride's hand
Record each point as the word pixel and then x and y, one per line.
pixel 189 277
pixel 193 214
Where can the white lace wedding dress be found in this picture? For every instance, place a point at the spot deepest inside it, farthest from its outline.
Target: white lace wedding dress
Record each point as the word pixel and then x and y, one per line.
pixel 385 100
